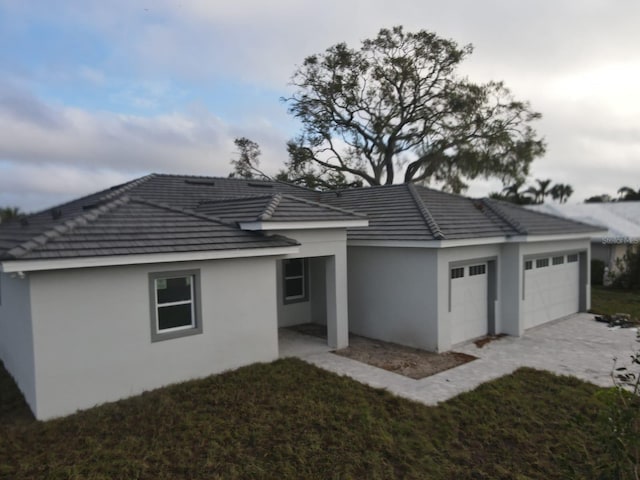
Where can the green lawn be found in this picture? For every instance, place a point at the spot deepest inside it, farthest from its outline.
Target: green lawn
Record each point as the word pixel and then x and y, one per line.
pixel 289 419
pixel 607 301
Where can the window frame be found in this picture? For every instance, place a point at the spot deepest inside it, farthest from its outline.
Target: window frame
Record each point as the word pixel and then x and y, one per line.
pixel 557 260
pixel 479 269
pixel 528 265
pixel 542 262
pixel 195 301
pixel 288 299
pixel 572 258
pixel 456 272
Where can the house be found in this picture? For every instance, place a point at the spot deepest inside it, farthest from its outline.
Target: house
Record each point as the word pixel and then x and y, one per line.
pixel 620 222
pixel 167 278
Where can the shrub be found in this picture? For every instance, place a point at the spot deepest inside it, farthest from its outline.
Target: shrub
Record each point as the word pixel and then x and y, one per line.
pixel 629 268
pixel 621 418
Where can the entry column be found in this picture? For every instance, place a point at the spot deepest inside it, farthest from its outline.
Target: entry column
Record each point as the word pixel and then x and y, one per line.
pixel 337 312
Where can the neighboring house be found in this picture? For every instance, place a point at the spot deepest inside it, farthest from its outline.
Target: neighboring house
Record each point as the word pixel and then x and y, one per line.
pixel 620 220
pixel 168 278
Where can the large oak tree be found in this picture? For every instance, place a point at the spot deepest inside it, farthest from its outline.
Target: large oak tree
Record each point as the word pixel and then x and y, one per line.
pixel 397 110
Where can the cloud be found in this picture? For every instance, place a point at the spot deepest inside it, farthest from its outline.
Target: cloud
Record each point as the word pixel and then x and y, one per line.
pixel 24 108
pixel 576 65
pixel 89 150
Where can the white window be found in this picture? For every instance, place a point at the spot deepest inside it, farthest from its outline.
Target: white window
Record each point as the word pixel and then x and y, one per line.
pixel 477 270
pixel 558 260
pixel 528 265
pixel 457 272
pixel 175 304
pixel 572 258
pixel 295 280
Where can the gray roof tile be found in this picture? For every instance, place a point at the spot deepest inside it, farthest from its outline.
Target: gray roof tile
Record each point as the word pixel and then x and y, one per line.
pixel 134 226
pixel 171 213
pixel 275 208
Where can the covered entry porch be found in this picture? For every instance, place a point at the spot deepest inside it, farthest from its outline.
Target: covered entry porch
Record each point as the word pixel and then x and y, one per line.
pixel 312 291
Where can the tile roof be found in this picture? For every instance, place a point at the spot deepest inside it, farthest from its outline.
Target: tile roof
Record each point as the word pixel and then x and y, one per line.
pixel 130 225
pixel 277 207
pixel 172 213
pixel 537 223
pixel 620 219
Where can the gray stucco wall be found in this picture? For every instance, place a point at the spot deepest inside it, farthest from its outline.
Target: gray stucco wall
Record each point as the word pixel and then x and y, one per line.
pixel 91 330
pixel 393 295
pixel 317 281
pixel 402 294
pixel 16 346
pixel 511 269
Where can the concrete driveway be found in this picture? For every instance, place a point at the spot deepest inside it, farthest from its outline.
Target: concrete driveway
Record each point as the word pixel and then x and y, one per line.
pixel 576 345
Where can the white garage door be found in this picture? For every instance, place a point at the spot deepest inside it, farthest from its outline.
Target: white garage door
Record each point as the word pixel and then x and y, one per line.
pixel 551 288
pixel 469 312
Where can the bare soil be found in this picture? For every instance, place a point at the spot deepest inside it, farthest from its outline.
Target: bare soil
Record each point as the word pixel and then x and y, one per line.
pixel 410 362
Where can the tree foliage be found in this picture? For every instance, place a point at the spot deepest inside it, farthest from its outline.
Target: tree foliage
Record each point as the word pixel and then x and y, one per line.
pixel 9 213
pixel 396 110
pixel 628 194
pixel 516 192
pixel 246 164
pixel 628 276
pixel 561 192
pixel 599 198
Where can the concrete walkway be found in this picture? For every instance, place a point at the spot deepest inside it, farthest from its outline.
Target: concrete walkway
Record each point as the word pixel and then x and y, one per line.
pixel 576 345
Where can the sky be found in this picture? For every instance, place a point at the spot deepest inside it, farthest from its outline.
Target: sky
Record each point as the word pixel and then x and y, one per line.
pixel 95 93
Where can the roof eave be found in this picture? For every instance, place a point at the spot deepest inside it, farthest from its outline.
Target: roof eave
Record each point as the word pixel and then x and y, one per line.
pixel 553 237
pixel 460 242
pixel 11 266
pixel 302 225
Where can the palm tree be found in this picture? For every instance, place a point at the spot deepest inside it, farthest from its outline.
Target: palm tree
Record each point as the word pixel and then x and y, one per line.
pixel 9 213
pixel 512 193
pixel 628 193
pixel 561 192
pixel 540 192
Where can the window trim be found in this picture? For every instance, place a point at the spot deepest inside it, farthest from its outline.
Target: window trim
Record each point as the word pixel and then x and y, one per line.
pixel 196 311
pixel 557 260
pixel 457 272
pixel 542 262
pixel 479 269
pixel 305 282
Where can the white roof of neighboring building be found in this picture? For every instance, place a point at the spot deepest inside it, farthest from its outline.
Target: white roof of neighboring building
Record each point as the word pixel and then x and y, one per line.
pixel 621 219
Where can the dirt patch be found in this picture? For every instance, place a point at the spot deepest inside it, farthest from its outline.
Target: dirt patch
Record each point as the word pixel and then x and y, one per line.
pixel 410 362
pixel 481 342
pixel 313 329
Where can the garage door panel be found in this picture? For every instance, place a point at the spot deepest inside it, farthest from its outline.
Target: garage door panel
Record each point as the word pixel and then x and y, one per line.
pixel 550 292
pixel 469 310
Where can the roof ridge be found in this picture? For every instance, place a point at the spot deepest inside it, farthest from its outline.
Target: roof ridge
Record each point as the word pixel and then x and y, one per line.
pixel 127 186
pixel 65 227
pixel 185 211
pixel 265 180
pixel 270 209
pixel 504 216
pixel 324 205
pixel 426 214
pixel 234 198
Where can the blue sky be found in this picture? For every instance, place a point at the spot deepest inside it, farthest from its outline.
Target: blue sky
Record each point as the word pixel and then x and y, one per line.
pixel 95 93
